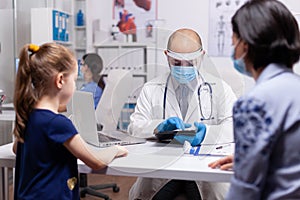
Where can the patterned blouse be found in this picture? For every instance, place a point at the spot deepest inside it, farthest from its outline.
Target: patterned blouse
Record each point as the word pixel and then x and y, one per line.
pixel 267 136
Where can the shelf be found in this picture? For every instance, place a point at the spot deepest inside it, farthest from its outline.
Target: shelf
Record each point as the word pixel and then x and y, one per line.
pixel 49 24
pixel 121 45
pixel 140 74
pixel 80 27
pixel 80 48
pixel 63 43
pixel 79 35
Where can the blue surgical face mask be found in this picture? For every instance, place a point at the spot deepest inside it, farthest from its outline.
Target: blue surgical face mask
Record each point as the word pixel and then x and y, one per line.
pixel 239 64
pixel 183 74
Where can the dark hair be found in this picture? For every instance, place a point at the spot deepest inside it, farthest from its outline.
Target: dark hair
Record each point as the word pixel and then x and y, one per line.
pixel 270 30
pixel 101 82
pixel 95 63
pixel 37 68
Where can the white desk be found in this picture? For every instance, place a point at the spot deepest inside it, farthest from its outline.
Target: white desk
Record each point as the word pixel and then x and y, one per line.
pixel 7 161
pixel 7 106
pixel 158 160
pixel 7 118
pixel 7 115
pixel 145 160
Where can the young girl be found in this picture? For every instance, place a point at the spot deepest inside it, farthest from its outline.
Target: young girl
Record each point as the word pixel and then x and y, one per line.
pixel 47 144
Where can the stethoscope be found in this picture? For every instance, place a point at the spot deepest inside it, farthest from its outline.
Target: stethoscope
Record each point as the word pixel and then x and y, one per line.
pixel 203 86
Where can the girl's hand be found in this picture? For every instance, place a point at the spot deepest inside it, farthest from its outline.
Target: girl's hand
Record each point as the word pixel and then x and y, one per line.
pixel 122 151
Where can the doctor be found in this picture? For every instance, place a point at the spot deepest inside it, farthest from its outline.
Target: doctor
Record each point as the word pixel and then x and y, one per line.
pixel 179 99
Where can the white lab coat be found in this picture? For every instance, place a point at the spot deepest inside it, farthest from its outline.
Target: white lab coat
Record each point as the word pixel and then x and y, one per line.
pixel 149 113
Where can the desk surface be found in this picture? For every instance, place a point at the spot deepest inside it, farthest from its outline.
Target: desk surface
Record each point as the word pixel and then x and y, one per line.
pixel 7 115
pixel 163 161
pixel 7 157
pixel 148 160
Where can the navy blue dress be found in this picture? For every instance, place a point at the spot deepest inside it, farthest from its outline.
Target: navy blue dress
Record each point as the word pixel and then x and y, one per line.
pixel 45 169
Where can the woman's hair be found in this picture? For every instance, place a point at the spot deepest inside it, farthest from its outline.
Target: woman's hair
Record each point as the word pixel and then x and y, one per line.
pixel 270 30
pixel 101 82
pixel 94 63
pixel 37 69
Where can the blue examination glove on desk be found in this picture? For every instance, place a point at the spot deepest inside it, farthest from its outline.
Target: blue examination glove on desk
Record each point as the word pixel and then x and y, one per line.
pixel 172 123
pixel 197 138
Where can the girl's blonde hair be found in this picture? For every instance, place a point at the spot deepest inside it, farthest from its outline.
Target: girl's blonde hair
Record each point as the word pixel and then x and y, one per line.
pixel 37 69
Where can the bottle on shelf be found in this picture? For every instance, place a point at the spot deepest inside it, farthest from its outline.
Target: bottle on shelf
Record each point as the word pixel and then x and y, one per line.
pixel 80 21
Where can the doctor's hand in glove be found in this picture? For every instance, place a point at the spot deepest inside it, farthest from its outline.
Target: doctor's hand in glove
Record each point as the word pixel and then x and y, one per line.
pixel 170 124
pixel 195 139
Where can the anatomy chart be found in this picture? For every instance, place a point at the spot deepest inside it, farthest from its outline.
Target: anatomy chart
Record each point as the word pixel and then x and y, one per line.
pixel 135 18
pixel 219 36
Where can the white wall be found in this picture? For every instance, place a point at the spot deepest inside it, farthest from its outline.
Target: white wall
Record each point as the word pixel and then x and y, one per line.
pixel 190 14
pixel 6 51
pixel 9 49
pixel 176 13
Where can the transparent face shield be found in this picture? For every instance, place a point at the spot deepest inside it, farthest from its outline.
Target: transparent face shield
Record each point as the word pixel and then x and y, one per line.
pixel 185 59
pixel 185 65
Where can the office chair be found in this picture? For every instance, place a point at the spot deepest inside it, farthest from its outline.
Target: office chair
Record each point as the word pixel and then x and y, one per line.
pixel 92 189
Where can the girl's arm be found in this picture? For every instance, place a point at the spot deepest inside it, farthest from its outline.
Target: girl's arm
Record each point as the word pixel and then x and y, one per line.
pixel 95 159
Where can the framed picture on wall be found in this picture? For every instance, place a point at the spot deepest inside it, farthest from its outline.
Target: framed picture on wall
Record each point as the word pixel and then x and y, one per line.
pixel 220 13
pixel 135 19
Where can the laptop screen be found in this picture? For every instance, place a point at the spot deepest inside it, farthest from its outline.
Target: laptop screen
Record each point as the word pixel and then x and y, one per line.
pixel 83 116
pixel 84 119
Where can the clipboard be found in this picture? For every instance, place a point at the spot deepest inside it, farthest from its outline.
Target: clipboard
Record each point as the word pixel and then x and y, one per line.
pixel 169 135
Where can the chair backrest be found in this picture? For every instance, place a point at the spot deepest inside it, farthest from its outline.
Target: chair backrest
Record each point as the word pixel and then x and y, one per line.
pixel 118 87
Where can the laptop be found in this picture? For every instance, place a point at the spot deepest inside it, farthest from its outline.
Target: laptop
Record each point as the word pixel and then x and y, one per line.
pixel 84 119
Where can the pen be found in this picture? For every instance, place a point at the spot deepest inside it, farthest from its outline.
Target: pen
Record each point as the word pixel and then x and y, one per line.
pixel 222 146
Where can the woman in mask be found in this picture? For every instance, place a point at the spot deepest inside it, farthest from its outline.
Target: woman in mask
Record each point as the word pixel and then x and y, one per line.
pixel 267 119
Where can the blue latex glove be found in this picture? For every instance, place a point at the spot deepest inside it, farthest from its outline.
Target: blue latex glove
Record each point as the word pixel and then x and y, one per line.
pixel 172 123
pixel 197 138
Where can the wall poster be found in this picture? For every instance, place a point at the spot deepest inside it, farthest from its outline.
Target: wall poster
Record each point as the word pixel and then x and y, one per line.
pixel 135 19
pixel 219 36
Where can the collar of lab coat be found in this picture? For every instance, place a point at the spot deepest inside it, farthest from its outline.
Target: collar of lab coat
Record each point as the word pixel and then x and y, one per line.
pixel 192 85
pixel 171 101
